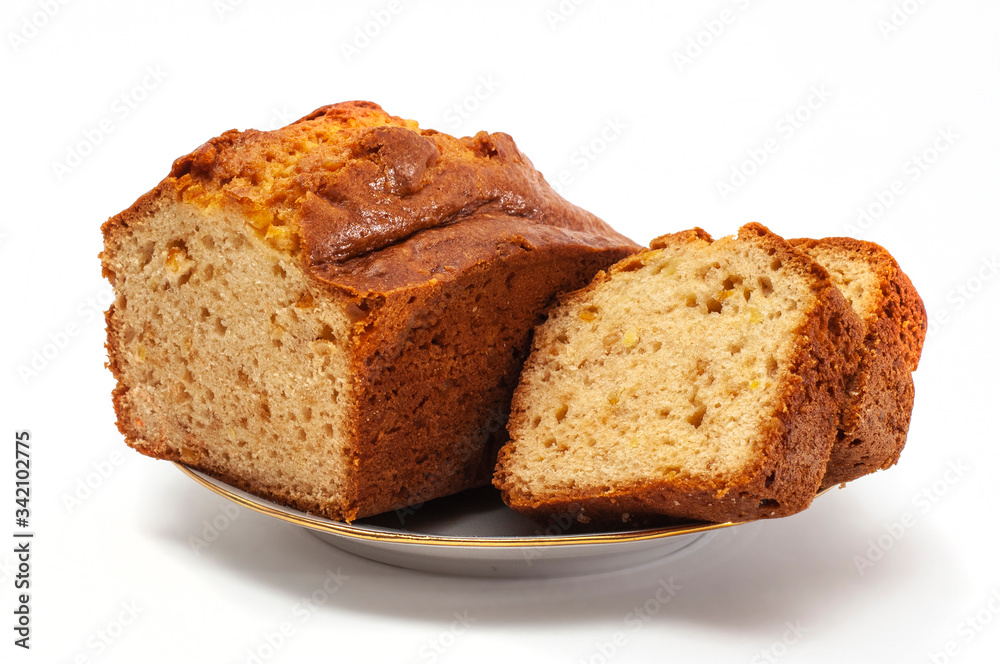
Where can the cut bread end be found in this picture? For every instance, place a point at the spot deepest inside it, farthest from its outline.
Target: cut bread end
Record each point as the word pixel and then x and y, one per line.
pixel 206 311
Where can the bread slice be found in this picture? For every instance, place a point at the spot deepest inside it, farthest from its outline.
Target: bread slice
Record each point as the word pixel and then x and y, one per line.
pixel 876 417
pixel 698 379
pixel 333 315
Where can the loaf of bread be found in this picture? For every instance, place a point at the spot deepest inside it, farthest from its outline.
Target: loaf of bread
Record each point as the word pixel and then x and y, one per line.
pixel 699 379
pixel 334 315
pixel 876 417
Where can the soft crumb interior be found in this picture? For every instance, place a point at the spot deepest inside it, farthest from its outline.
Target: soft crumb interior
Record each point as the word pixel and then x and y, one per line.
pixel 667 370
pixel 854 278
pixel 232 359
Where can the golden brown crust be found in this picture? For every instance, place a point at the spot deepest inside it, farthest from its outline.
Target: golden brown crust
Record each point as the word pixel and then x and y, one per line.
pixel 695 233
pixel 793 457
pixel 394 218
pixel 876 416
pixel 900 301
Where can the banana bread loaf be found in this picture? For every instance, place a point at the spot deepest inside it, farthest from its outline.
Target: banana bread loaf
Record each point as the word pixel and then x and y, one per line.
pixel 697 379
pixel 334 315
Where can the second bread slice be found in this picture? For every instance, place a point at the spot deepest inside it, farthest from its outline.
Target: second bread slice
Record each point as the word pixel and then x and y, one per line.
pixel 876 417
pixel 699 379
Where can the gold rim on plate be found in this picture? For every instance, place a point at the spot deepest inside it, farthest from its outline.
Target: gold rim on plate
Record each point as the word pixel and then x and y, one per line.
pixel 355 532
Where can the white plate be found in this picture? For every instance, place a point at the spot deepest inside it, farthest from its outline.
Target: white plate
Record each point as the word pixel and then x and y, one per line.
pixel 475 534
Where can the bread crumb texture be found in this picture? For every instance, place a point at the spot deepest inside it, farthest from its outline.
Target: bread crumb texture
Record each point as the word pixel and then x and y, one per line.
pixel 666 387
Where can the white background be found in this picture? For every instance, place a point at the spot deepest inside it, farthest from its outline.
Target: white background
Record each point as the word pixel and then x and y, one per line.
pixel 673 131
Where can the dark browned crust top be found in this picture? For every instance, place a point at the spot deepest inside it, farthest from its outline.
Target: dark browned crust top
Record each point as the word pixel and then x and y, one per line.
pixel 796 445
pixel 349 180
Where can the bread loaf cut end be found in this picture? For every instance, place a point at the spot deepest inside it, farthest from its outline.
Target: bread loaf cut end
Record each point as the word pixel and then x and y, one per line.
pixel 228 358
